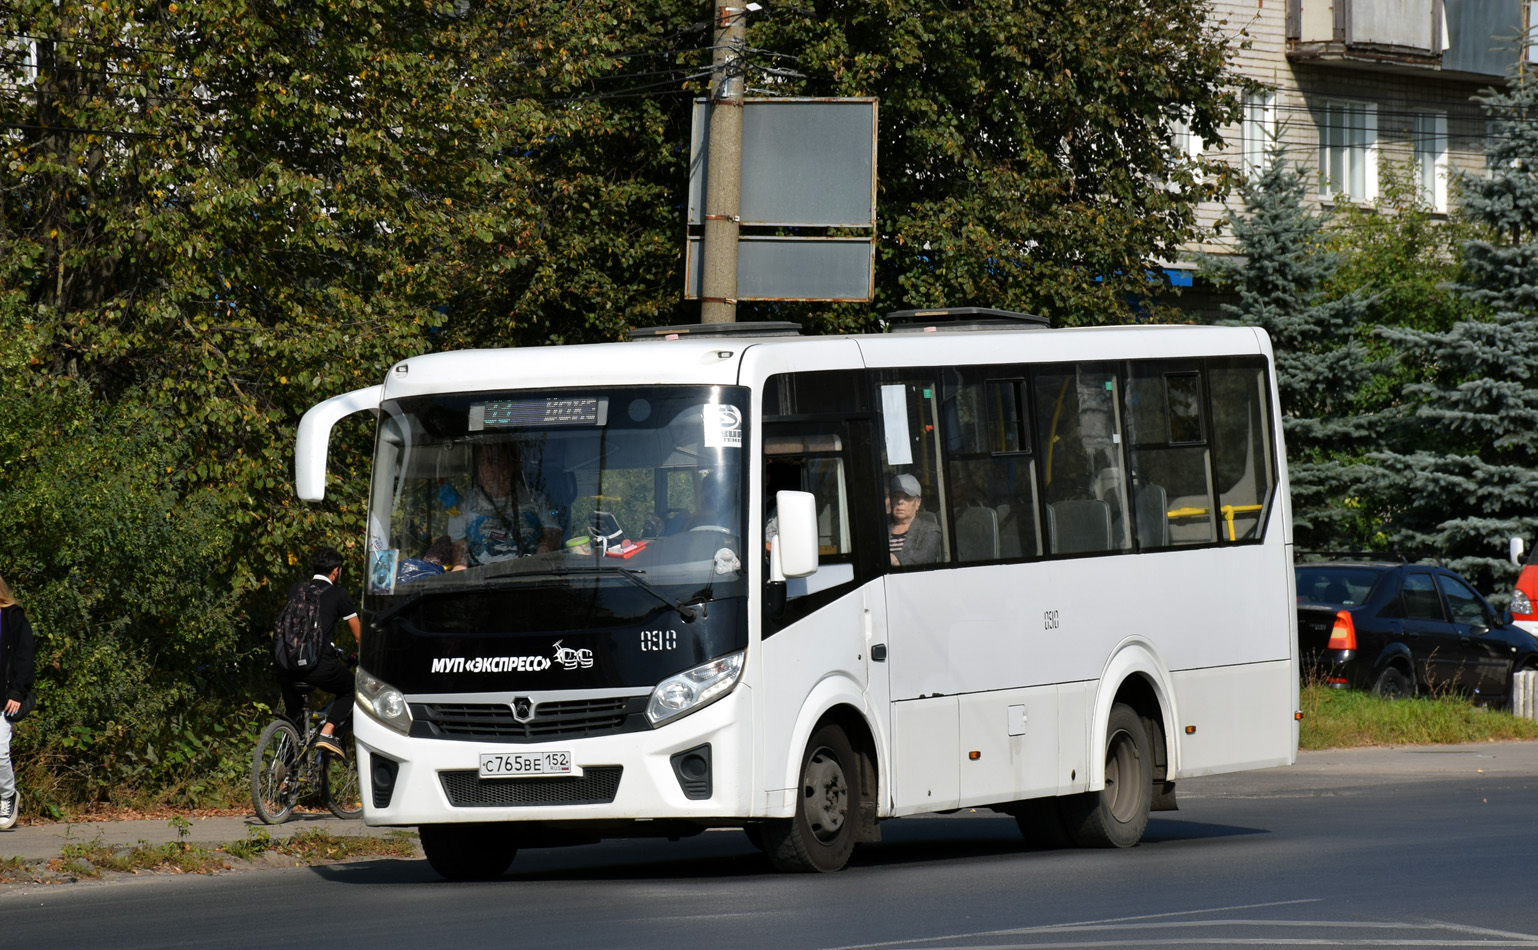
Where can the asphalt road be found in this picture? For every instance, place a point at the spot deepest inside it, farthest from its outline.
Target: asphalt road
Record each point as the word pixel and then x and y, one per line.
pixel 1401 848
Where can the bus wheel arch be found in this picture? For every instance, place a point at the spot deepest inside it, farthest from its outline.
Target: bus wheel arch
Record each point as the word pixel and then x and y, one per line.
pixel 1140 693
pixel 1133 677
pixel 834 806
pixel 1116 815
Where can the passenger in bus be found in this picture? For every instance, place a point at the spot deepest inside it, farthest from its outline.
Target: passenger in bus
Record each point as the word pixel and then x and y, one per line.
pixel 500 518
pixel 910 539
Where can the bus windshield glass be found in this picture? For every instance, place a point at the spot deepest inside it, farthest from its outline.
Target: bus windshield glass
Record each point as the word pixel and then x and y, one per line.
pixel 604 489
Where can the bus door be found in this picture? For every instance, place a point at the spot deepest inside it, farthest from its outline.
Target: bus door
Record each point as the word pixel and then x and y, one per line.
pixel 824 625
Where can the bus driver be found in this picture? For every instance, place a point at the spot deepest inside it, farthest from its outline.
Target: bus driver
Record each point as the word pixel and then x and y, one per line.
pixel 500 518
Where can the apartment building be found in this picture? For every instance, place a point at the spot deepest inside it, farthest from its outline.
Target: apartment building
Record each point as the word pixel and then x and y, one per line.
pixel 1352 86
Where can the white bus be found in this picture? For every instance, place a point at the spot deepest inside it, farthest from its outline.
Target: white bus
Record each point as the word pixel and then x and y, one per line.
pixel 652 587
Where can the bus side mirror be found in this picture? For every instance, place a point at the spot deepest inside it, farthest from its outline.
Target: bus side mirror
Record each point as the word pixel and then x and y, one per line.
pixel 313 441
pixel 1516 546
pixel 795 550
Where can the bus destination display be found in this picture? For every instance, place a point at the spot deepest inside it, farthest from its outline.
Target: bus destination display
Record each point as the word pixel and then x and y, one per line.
pixel 528 413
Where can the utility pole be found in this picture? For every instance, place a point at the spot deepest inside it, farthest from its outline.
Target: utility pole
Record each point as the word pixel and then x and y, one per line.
pixel 723 193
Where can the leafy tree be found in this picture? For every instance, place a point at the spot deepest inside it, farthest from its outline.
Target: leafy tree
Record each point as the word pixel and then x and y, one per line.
pixel 1280 279
pixel 1025 152
pixel 1471 480
pixel 1407 259
pixel 215 214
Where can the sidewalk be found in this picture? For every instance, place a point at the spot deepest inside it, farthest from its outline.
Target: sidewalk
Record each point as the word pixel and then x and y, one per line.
pixel 1342 768
pixel 40 842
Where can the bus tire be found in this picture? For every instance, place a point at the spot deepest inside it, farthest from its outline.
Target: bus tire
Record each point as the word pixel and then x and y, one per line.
pixel 822 834
pixel 1040 823
pixel 469 852
pixel 1115 816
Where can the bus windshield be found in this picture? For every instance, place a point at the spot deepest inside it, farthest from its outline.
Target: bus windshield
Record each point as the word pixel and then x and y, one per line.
pixel 635 489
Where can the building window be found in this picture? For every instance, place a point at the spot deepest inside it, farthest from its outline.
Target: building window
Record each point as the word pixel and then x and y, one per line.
pixel 1430 139
pixel 1259 131
pixel 20 55
pixel 1348 149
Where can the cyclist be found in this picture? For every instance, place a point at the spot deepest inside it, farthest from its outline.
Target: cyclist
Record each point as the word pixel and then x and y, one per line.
pixel 330 672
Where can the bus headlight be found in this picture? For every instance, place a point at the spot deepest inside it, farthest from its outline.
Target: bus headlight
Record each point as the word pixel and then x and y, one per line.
pixel 384 702
pixel 1520 604
pixel 692 689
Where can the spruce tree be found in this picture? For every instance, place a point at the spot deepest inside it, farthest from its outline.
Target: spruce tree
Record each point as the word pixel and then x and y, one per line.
pixel 1472 479
pixel 1279 278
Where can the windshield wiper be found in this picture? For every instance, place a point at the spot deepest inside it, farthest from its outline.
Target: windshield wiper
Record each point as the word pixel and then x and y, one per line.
pixel 684 611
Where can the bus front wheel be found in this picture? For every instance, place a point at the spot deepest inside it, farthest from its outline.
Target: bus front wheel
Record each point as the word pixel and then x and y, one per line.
pixel 1115 816
pixel 471 852
pixel 821 835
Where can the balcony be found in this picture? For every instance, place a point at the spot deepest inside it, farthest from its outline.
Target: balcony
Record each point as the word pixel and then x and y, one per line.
pixel 1463 39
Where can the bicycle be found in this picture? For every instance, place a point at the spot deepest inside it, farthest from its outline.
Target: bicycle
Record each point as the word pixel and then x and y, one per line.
pixel 285 763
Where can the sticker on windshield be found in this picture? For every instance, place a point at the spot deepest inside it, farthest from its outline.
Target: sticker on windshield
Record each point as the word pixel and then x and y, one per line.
pixel 723 426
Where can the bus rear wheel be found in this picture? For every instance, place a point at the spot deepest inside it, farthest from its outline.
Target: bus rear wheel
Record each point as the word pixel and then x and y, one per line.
pixel 821 836
pixel 472 852
pixel 1115 816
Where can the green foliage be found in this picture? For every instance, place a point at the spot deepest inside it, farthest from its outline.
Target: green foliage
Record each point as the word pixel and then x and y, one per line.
pixel 1344 719
pixel 1469 483
pixel 1281 282
pixel 213 215
pixel 1025 151
pixel 1406 259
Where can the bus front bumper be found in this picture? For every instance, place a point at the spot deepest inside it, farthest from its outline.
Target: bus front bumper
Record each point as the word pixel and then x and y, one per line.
pixel 630 776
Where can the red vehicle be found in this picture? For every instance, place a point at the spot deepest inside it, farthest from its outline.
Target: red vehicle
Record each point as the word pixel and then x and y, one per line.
pixel 1524 600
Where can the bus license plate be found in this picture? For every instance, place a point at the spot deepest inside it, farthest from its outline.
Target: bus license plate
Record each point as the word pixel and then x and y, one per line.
pixel 527 764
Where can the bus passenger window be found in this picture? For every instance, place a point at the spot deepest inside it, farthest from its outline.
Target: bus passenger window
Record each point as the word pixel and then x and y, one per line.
pixel 1078 421
pixel 911 469
pixel 992 471
pixel 1242 447
pixel 1171 484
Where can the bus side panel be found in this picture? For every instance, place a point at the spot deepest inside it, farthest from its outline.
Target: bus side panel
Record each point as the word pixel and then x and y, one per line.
pixel 1074 703
pixel 1240 716
pixel 925 756
pixel 1015 735
pixel 975 628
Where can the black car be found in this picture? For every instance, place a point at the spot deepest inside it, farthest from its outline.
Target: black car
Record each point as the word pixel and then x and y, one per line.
pixel 1400 629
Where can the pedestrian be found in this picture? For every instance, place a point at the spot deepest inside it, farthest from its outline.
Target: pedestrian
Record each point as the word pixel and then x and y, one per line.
pixel 329 672
pixel 16 672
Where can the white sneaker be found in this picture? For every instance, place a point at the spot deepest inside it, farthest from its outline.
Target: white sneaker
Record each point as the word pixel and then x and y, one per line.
pixel 9 808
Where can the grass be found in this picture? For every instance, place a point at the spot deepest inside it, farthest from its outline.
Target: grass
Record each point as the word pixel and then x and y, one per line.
pixel 1344 719
pixel 319 846
pixel 93 859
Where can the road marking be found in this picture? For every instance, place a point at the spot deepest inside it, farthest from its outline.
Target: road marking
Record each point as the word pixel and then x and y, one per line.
pixel 1142 925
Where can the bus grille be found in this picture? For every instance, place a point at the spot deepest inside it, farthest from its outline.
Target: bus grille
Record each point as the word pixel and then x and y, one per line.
pixel 596 786
pixel 555 720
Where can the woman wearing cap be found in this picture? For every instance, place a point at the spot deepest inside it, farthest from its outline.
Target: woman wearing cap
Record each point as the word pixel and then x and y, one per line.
pixel 910 539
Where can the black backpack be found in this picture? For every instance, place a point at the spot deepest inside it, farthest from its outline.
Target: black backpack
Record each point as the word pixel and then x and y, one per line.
pixel 297 641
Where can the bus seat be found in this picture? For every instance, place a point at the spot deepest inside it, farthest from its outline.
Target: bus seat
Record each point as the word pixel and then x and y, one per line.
pixel 1153 523
pixel 1079 525
pixel 977 534
pixel 1108 488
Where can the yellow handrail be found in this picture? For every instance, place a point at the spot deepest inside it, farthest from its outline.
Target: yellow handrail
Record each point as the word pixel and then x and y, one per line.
pixel 1230 510
pixel 1228 515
